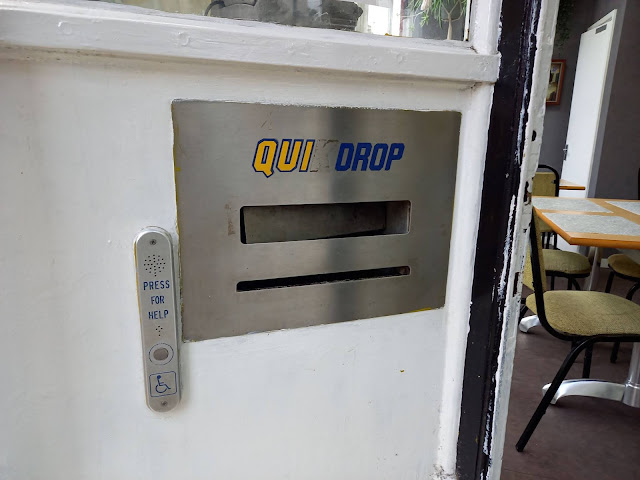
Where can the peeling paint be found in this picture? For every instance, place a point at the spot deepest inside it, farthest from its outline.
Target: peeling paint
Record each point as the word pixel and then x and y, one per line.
pixel 530 155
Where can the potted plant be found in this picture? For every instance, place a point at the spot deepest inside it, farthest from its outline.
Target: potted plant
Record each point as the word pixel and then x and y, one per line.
pixel 448 11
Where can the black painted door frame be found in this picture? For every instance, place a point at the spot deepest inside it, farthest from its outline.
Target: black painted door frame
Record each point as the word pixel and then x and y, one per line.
pixel 496 233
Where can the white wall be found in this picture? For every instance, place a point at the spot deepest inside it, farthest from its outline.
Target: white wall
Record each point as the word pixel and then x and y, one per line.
pixel 86 147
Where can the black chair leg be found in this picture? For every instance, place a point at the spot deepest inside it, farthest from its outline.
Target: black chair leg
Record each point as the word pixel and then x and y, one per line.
pixel 523 310
pixel 632 291
pixel 616 346
pixel 553 388
pixel 586 366
pixel 553 282
pixel 613 358
pixel 607 289
pixel 614 352
pixel 569 283
pixel 575 283
pixel 555 241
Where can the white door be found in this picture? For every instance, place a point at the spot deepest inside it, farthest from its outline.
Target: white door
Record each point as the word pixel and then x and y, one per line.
pixel 88 145
pixel 586 104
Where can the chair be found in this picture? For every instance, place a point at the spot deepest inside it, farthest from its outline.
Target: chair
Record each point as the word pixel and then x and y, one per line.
pixel 624 267
pixel 558 263
pixel 547 184
pixel 569 265
pixel 584 318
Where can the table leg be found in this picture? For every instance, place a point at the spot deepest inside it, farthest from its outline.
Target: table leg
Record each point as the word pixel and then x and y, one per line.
pixel 592 281
pixel 586 387
pixel 627 393
pixel 528 323
pixel 632 386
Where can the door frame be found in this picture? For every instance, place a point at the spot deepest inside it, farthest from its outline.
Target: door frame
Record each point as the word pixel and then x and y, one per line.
pixel 511 160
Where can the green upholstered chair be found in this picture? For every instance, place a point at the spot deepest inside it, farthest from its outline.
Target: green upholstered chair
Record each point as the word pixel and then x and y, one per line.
pixel 546 184
pixel 569 265
pixel 558 263
pixel 583 318
pixel 624 267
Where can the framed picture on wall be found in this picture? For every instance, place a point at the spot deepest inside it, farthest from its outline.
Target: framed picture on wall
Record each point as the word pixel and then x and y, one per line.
pixel 556 78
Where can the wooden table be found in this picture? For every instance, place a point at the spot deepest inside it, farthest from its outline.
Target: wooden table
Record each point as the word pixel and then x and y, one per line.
pixel 593 222
pixel 567 185
pixel 601 223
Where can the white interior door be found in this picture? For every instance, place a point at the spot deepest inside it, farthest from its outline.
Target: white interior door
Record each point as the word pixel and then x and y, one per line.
pixel 588 91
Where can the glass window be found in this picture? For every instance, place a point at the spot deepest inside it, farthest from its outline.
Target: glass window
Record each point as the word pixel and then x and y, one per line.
pixel 435 19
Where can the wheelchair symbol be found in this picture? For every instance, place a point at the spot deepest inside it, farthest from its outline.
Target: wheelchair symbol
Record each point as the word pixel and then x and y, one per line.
pixel 161 387
pixel 161 384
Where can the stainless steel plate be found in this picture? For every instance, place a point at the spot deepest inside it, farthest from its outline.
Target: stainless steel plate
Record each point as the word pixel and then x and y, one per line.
pixel 248 271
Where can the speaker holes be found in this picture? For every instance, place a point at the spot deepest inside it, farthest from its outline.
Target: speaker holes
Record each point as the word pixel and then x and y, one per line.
pixel 159 330
pixel 154 264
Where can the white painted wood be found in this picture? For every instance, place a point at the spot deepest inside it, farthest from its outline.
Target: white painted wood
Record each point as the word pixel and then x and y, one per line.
pixel 586 104
pixel 87 139
pixel 485 15
pixel 127 31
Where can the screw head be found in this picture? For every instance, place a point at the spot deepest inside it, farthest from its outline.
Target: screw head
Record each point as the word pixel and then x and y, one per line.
pixel 165 403
pixel 153 242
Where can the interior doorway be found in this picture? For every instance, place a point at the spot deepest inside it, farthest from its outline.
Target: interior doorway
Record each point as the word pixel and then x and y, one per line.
pixel 586 105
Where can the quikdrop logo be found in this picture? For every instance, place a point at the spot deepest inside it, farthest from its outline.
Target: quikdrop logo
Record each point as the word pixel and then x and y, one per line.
pixel 286 155
pixel 264 160
pixel 367 156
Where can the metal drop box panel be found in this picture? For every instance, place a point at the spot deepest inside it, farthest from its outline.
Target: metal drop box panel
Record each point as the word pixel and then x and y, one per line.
pixel 293 216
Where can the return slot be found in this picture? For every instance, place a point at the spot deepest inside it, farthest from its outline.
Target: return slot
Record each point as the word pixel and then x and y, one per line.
pixel 290 223
pixel 252 285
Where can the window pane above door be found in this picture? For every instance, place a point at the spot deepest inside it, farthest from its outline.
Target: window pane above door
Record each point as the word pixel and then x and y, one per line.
pixel 433 19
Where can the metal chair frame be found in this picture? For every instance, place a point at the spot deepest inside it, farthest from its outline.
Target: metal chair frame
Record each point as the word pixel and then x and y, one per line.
pixel 572 281
pixel 580 343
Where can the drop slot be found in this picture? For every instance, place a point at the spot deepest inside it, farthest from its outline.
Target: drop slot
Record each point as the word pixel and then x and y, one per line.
pixel 292 223
pixel 303 280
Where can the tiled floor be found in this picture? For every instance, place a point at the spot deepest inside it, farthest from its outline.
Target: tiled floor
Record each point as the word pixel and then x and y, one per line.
pixel 579 438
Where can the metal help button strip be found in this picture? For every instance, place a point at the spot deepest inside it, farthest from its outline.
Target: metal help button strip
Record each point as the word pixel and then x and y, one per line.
pixel 158 322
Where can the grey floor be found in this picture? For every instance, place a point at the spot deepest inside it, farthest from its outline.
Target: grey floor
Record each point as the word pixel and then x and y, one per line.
pixel 579 438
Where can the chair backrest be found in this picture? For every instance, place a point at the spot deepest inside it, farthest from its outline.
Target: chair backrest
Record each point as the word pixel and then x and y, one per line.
pixel 527 274
pixel 535 276
pixel 546 184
